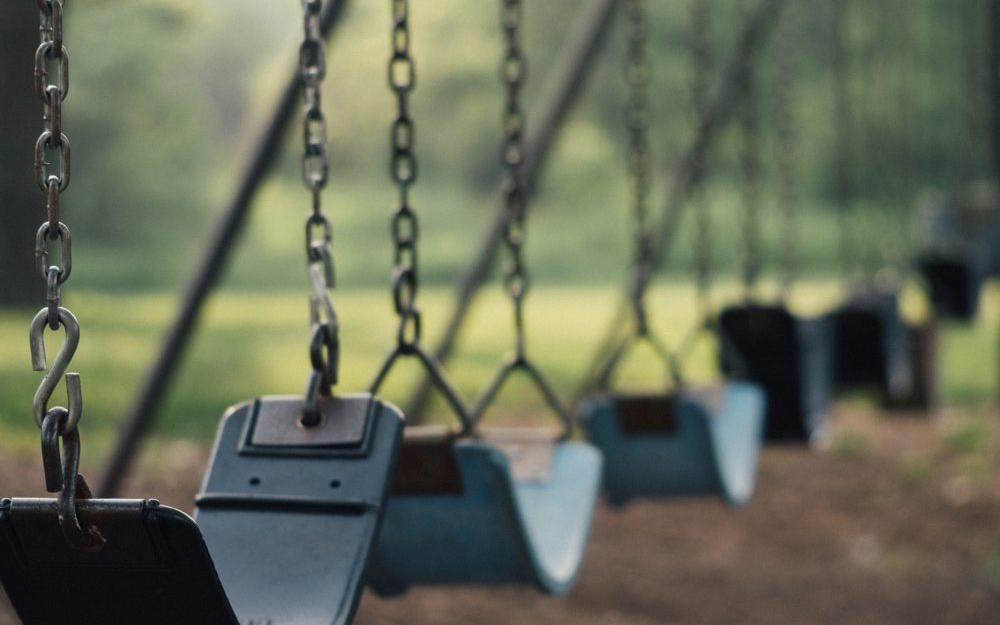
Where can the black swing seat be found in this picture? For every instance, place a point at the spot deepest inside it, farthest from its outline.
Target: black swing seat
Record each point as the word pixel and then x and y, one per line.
pixel 505 507
pixel 790 357
pixel 953 284
pixel 285 525
pixel 872 345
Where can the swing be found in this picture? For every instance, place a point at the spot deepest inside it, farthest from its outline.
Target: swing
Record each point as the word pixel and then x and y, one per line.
pixel 960 239
pixel 673 444
pixel 924 393
pixel 290 506
pixel 482 506
pixel 872 349
pixel 872 345
pixel 788 355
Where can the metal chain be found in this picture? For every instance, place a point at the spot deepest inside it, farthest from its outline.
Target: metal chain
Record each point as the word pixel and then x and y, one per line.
pixel 513 72
pixel 844 127
pixel 637 121
pixel 786 144
pixel 324 348
pixel 52 162
pixel 701 60
pixel 403 167
pixel 405 226
pixel 750 163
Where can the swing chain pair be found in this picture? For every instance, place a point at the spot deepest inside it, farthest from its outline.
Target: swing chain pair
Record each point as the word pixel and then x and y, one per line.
pixel 637 119
pixel 405 225
pixel 403 167
pixel 513 73
pixel 324 347
pixel 60 433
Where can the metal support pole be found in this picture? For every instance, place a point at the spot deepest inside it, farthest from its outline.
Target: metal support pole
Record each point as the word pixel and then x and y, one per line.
pixel 156 382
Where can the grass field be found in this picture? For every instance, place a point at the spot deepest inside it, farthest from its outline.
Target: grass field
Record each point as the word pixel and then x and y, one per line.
pixel 251 344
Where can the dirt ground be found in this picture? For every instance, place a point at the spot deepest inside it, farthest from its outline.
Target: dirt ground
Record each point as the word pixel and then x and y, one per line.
pixel 897 522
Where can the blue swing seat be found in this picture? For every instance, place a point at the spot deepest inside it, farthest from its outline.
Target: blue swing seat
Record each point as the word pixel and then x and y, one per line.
pixel 691 443
pixel 790 357
pixel 500 509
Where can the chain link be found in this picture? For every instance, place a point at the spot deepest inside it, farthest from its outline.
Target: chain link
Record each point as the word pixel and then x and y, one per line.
pixel 787 143
pixel 403 169
pixel 637 121
pixel 751 169
pixel 513 73
pixel 324 347
pixel 52 155
pixel 701 63
pixel 52 163
pixel 843 116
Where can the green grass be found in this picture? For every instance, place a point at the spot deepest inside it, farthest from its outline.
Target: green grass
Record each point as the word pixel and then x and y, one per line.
pixel 252 343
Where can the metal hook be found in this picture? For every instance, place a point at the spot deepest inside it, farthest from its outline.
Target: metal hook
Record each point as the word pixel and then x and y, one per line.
pixel 62 361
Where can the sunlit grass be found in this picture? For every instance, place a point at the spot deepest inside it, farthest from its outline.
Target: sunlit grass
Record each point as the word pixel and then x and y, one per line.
pixel 252 344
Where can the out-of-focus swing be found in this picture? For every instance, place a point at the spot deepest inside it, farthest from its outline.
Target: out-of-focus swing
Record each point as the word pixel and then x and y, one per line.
pixel 788 355
pixel 479 506
pixel 294 494
pixel 873 344
pixel 683 441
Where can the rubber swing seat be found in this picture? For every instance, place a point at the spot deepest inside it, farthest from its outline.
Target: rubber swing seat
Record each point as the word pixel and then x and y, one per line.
pixel 790 357
pixel 507 507
pixel 683 444
pixel 872 345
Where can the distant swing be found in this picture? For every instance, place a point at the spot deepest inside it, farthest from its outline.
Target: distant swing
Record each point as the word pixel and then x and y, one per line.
pixel 682 442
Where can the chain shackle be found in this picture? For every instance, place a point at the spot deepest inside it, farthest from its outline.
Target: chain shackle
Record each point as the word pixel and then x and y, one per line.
pixel 701 66
pixel 60 433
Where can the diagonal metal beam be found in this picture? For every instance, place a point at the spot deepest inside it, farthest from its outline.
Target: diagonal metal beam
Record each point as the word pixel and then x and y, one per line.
pixel 565 84
pixel 148 400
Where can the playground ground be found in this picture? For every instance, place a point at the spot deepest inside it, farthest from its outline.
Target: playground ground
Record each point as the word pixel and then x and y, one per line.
pixel 897 521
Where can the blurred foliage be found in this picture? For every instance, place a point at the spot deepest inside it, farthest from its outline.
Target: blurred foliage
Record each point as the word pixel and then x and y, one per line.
pixel 168 96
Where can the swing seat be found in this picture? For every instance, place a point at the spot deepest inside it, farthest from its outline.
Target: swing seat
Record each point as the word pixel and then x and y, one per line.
pixel 872 346
pixel 953 286
pixel 690 443
pixel 790 358
pixel 924 394
pixel 284 529
pixel 510 507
